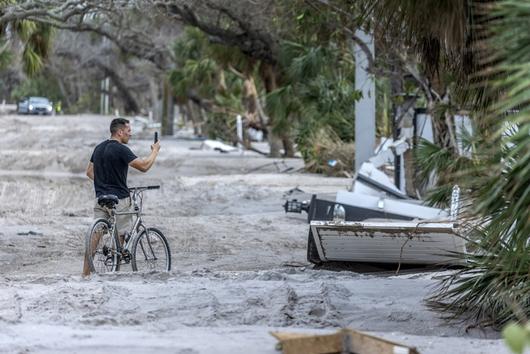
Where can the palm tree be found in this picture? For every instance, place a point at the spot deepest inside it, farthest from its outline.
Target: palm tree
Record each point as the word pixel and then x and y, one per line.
pixel 317 99
pixel 495 284
pixel 483 46
pixel 216 77
pixel 35 37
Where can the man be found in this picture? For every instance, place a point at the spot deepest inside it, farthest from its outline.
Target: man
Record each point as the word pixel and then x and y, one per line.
pixel 108 169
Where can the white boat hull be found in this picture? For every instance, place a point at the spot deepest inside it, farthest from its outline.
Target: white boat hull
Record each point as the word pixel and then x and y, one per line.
pixel 404 242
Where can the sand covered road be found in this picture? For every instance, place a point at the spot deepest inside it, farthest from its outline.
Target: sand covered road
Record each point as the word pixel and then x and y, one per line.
pixel 239 266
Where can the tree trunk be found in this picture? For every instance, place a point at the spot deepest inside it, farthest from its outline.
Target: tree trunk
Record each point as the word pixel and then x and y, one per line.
pixel 442 118
pixel 439 109
pixel 129 102
pixel 263 118
pixel 251 103
pixel 154 91
pixel 250 98
pixel 64 92
pixel 410 173
pixel 167 109
pixel 403 127
pixel 221 81
pixel 275 143
pixel 184 113
pixel 288 145
pixel 194 119
pixel 443 125
pixel 407 126
pixel 269 78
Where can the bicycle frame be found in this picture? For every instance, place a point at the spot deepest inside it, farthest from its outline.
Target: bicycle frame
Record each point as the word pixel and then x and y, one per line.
pixel 138 226
pixel 140 242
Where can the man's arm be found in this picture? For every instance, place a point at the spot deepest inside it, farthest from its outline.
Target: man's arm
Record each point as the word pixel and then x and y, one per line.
pixel 144 164
pixel 90 171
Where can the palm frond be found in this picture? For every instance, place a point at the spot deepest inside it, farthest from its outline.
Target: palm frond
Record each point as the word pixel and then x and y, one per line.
pixel 5 54
pixel 494 286
pixel 308 64
pixel 36 38
pixel 31 60
pixel 442 38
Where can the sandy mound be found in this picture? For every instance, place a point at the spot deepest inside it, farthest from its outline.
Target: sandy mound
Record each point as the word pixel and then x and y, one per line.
pixel 239 265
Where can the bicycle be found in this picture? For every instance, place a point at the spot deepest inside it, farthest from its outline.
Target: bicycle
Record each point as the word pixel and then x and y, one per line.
pixel 145 248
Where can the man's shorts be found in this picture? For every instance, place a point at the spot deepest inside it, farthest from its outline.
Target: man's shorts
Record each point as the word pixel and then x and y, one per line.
pixel 123 222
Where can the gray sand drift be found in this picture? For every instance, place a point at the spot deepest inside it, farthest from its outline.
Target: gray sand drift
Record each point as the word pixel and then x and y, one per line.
pixel 239 267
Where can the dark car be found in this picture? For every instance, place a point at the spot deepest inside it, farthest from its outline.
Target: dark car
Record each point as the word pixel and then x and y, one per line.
pixel 35 105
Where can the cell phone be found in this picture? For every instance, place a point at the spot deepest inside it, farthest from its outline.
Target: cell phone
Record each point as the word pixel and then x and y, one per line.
pixel 156 137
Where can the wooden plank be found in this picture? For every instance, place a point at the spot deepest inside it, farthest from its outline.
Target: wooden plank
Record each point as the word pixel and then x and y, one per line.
pixel 298 343
pixel 344 341
pixel 362 343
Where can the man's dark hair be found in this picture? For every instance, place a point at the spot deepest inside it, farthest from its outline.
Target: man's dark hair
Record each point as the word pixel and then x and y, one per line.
pixel 117 124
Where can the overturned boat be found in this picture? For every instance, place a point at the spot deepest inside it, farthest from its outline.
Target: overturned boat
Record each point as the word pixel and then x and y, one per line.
pixel 390 241
pixel 376 224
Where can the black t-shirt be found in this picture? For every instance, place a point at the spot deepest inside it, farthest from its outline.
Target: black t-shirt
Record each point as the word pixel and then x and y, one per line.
pixel 111 163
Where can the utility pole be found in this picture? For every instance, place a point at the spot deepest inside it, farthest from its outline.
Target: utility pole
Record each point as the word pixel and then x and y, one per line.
pixel 365 107
pixel 239 128
pixel 104 102
pixel 107 95
pixel 104 98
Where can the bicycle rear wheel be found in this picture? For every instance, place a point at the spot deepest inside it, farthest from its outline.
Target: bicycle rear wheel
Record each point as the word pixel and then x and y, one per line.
pixel 150 251
pixel 101 248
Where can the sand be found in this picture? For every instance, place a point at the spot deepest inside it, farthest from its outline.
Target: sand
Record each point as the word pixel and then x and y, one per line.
pixel 239 267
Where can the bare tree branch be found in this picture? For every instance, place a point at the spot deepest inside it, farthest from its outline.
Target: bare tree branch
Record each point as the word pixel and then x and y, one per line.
pixel 105 18
pixel 231 23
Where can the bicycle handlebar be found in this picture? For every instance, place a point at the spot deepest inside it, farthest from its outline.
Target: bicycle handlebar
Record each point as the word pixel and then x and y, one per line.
pixel 133 189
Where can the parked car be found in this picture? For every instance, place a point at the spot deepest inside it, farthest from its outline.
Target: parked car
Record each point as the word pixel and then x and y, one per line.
pixel 35 105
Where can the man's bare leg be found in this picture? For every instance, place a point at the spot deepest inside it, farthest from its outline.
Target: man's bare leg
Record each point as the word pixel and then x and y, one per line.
pixel 93 245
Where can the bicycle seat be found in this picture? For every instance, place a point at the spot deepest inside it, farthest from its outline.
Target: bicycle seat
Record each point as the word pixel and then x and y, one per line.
pixel 108 200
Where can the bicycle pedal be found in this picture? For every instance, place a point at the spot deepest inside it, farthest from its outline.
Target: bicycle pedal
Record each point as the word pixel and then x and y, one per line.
pixel 124 259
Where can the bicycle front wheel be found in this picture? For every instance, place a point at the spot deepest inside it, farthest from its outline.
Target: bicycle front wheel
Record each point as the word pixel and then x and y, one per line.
pixel 150 251
pixel 101 248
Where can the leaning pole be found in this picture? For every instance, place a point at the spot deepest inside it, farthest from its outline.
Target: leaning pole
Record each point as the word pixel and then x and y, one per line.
pixel 365 107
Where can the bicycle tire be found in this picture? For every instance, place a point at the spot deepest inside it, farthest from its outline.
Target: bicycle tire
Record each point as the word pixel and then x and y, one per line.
pixel 143 251
pixel 102 258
